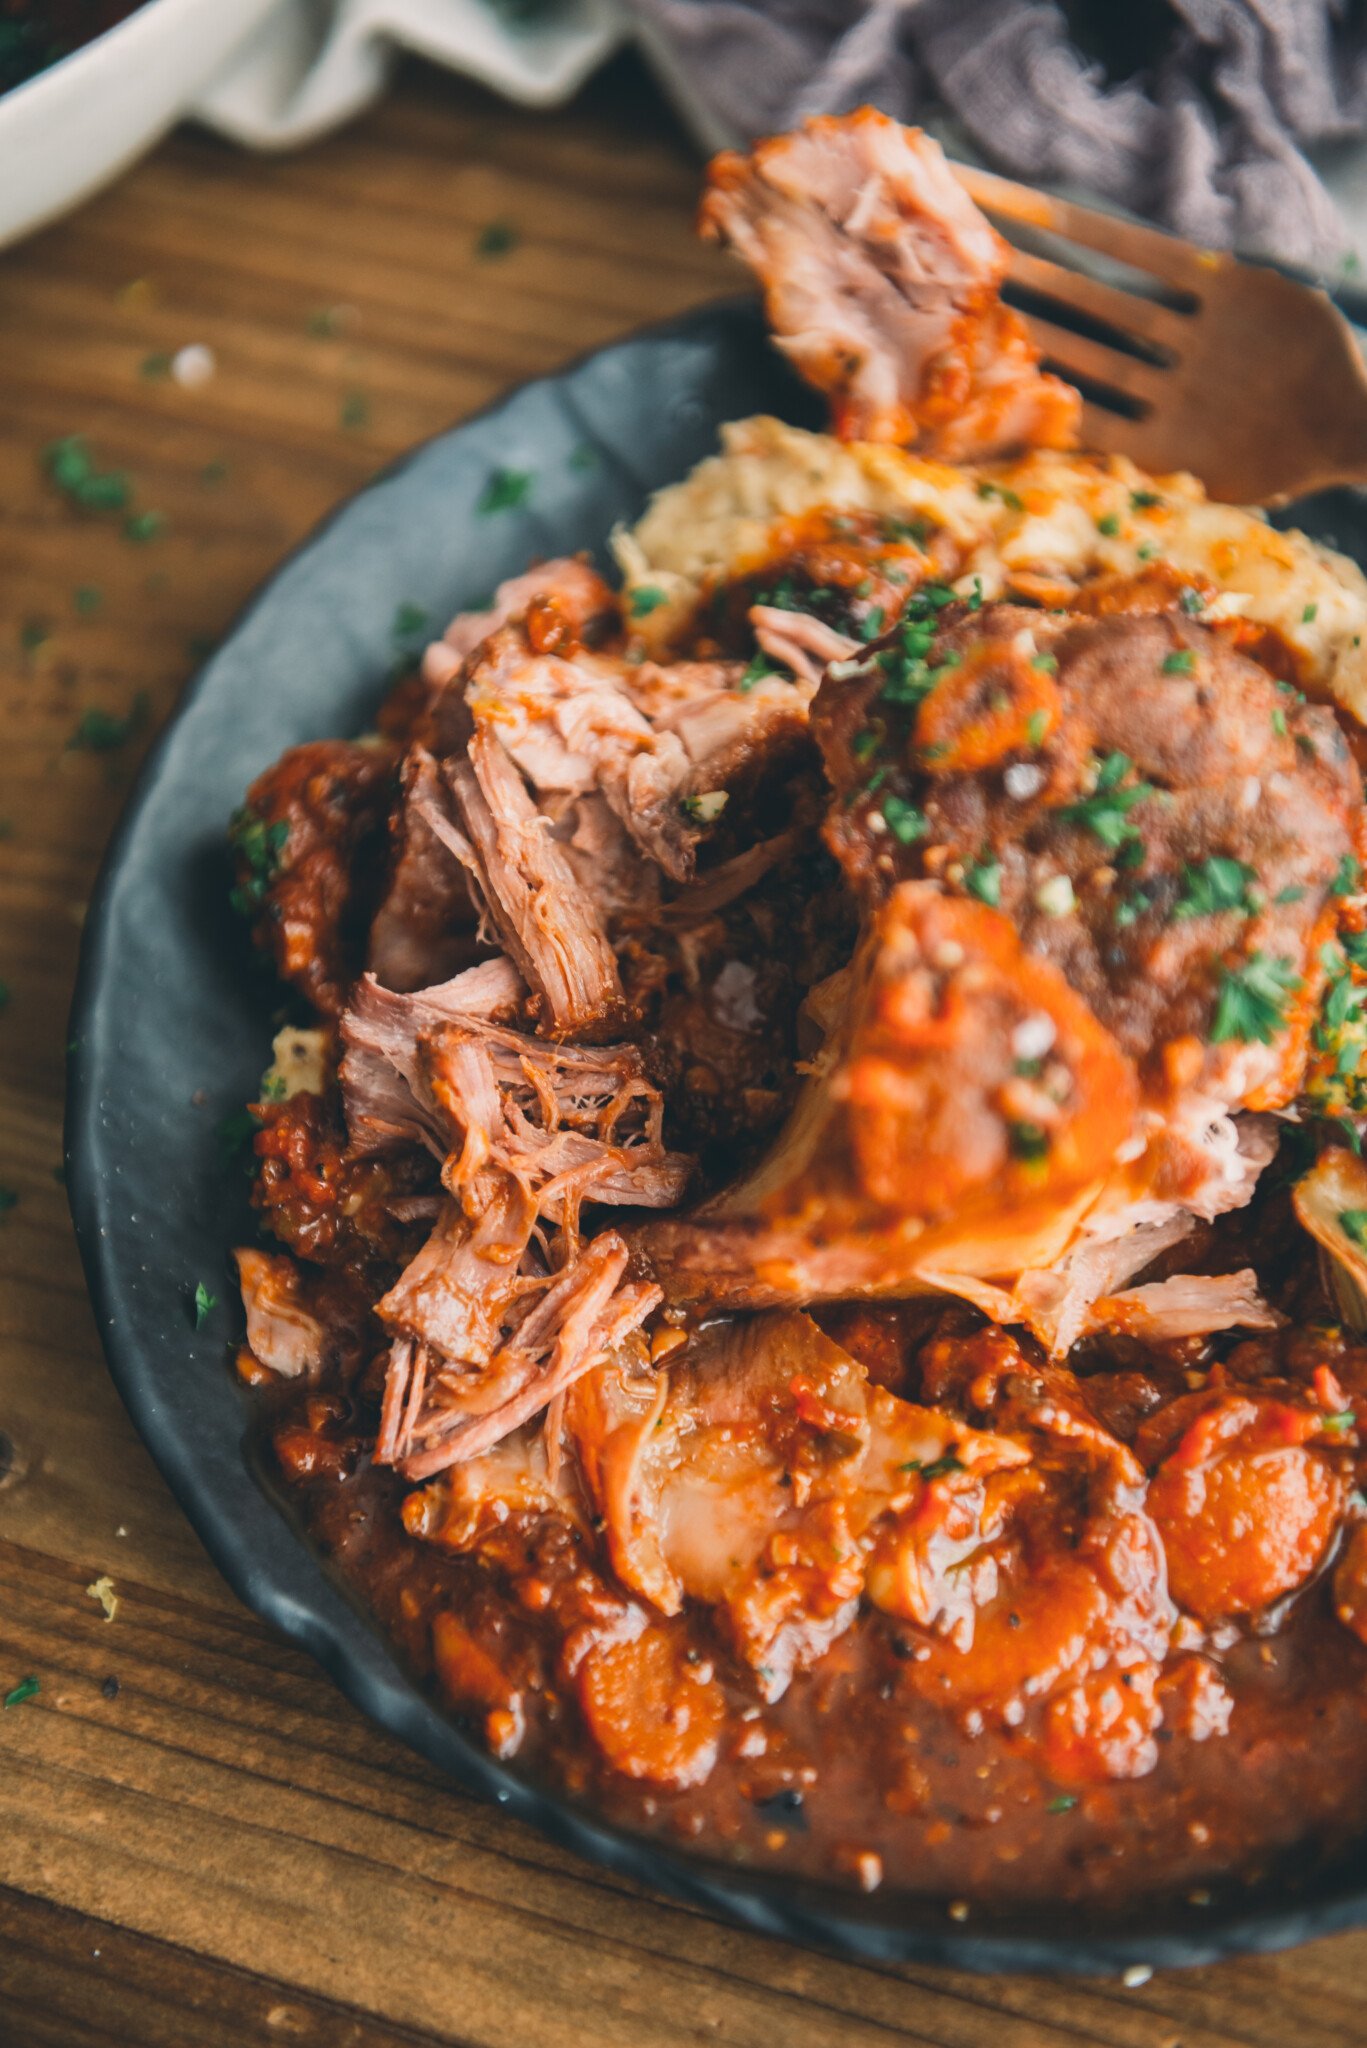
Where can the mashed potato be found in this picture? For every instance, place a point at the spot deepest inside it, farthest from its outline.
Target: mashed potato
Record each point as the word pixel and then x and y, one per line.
pixel 1038 528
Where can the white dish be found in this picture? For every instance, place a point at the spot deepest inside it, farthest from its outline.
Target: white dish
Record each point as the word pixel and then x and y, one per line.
pixel 75 125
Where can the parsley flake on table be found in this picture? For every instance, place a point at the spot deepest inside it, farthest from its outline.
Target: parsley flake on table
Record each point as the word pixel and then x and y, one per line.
pixel 9 1199
pixel 505 491
pixel 27 1689
pixel 355 412
pixel 69 466
pixel 141 527
pixel 86 600
pixel 1252 1003
pixel 203 1303
pixel 1106 812
pixel 496 239
pixel 155 367
pixel 1214 885
pixel 104 732
pixel 4 995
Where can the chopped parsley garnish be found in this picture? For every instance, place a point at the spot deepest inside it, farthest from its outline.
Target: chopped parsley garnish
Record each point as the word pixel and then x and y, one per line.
pixel 505 491
pixel 1027 1142
pixel 1106 812
pixel 1343 1419
pixel 1251 1006
pixel 1047 662
pixel 1109 524
pixel 1349 877
pixel 1310 614
pixel 904 821
pixel 975 594
pixel 260 846
pixel 866 743
pixel 234 1132
pixel 355 411
pixel 1293 893
pixel 408 627
pixel 155 367
pixel 758 667
pixel 103 732
pixel 1181 662
pixel 646 598
pixel 70 468
pixel 938 1468
pixel 1192 601
pixel 1132 909
pixel 27 1689
pixel 204 1302
pixel 1036 725
pixel 871 625
pixel 917 531
pixel 1146 551
pixel 1279 722
pixel 984 880
pixel 215 472
pixel 707 807
pixel 326 321
pixel 1214 885
pixel 1066 1801
pixel 496 239
pixel 1353 1223
pixel 1144 501
pixel 987 489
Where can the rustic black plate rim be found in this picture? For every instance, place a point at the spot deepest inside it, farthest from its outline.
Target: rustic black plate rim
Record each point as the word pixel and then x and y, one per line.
pixel 275 1573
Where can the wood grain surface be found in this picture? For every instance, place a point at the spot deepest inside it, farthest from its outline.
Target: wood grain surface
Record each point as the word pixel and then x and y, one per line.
pixel 200 1842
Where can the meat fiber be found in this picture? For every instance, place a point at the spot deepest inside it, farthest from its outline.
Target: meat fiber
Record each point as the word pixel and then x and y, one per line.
pixel 881 282
pixel 425 928
pixel 551 925
pixel 666 747
pixel 382 1090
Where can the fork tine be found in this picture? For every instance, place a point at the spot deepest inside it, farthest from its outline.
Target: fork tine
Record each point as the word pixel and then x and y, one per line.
pixel 1142 248
pixel 1076 356
pixel 1126 311
pixel 1116 435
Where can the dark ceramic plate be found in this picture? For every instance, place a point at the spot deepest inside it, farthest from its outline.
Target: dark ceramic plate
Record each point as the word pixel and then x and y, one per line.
pixel 169 1004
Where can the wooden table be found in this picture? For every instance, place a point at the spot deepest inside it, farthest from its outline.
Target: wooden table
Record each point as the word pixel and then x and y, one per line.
pixel 200 1842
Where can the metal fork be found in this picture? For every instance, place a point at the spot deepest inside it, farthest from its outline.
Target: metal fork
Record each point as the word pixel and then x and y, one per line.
pixel 1186 359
